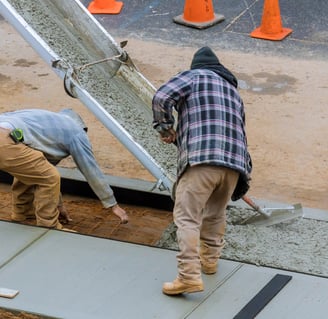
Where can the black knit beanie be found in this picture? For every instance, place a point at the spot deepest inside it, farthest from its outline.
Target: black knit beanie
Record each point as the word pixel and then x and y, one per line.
pixel 203 57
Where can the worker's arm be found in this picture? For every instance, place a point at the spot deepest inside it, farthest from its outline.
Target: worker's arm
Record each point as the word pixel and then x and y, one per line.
pixel 83 156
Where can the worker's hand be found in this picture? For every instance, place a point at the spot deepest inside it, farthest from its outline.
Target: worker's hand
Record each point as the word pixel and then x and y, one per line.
pixel 168 136
pixel 63 214
pixel 120 212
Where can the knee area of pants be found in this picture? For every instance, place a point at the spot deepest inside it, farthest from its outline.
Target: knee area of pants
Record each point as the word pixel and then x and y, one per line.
pixel 54 177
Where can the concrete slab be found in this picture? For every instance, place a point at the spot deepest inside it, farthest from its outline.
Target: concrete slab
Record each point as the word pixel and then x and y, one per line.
pixel 68 275
pixel 303 297
pixel 15 238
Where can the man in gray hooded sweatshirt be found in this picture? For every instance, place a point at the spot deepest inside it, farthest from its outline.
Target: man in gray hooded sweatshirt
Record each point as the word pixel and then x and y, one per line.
pixel 213 161
pixel 33 141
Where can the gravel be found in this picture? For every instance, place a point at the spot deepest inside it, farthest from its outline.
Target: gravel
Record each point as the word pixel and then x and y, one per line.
pixel 296 245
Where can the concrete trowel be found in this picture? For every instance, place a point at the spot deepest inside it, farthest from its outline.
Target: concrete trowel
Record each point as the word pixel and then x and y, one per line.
pixel 271 216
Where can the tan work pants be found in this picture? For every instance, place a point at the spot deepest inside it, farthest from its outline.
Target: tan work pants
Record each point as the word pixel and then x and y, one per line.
pixel 36 183
pixel 202 195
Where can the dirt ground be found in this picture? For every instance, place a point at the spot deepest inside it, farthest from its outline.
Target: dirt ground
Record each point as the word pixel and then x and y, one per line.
pixel 285 101
pixel 4 314
pixel 286 113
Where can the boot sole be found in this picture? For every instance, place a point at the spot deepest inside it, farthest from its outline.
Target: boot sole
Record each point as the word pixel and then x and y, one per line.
pixel 211 272
pixel 209 269
pixel 181 291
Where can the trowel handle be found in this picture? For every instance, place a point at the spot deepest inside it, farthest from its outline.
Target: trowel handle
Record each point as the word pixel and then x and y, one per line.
pixel 256 207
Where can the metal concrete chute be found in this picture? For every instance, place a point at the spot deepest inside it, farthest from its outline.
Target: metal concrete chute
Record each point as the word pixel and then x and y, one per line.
pixel 97 71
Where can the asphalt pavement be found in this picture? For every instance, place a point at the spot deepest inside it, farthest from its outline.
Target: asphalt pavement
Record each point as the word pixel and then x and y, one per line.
pixel 153 20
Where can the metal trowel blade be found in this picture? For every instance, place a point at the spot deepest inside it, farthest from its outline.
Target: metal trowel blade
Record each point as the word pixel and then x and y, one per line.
pixel 277 216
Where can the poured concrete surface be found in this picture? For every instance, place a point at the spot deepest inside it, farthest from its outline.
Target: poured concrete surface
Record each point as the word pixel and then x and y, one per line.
pixel 71 276
pixel 23 237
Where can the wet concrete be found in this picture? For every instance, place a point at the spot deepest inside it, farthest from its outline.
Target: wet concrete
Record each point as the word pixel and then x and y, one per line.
pixel 77 47
pixel 296 245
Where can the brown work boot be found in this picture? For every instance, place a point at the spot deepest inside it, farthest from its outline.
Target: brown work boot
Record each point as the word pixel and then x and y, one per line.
pixel 209 268
pixel 208 261
pixel 177 287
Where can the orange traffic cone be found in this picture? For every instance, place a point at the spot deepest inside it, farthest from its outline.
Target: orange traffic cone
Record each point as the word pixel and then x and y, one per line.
pixel 105 7
pixel 271 25
pixel 198 14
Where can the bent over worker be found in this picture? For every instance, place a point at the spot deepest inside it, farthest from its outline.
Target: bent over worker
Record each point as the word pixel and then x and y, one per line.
pixel 213 161
pixel 33 141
